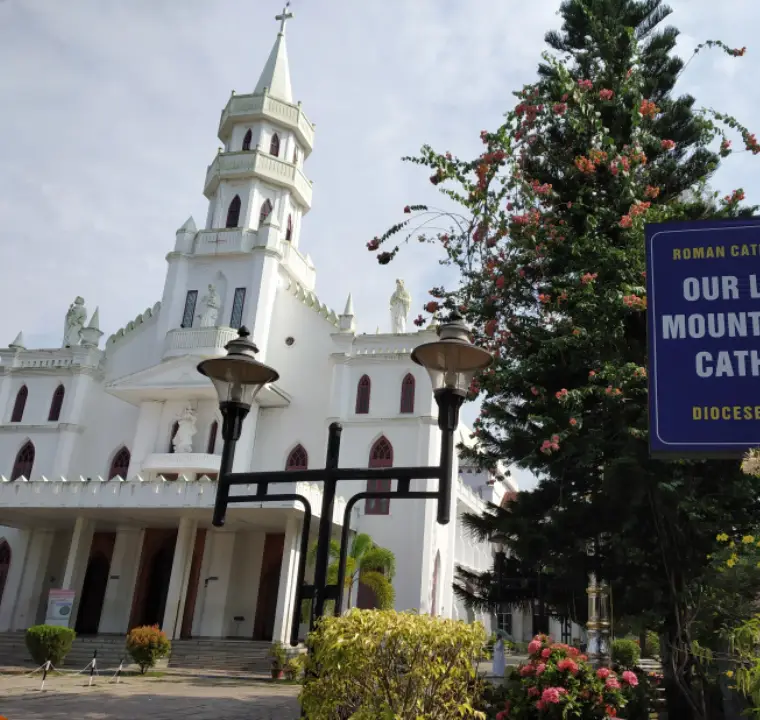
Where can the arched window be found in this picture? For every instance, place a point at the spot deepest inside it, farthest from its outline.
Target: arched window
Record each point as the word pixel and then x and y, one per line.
pixel 247 140
pixel 56 404
pixel 289 229
pixel 407 394
pixel 298 459
pixel 5 565
pixel 212 433
pixel 381 455
pixel 295 156
pixel 175 428
pixel 265 212
pixel 362 395
pixel 20 404
pixel 233 214
pixel 120 464
pixel 24 462
pixel 274 145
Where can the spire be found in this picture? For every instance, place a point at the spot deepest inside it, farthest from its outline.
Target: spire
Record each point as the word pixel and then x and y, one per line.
pixel 188 226
pixel 18 343
pixel 95 320
pixel 347 321
pixel 276 73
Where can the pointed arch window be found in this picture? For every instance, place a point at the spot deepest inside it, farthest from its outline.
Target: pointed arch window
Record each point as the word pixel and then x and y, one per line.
pixel 289 229
pixel 175 429
pixel 295 156
pixel 233 213
pixel 24 463
pixel 20 404
pixel 298 459
pixel 5 565
pixel 56 404
pixel 247 140
pixel 212 433
pixel 381 455
pixel 407 394
pixel 265 212
pixel 274 145
pixel 362 395
pixel 120 464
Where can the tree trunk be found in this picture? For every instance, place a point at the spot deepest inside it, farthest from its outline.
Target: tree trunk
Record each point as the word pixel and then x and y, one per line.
pixel 679 707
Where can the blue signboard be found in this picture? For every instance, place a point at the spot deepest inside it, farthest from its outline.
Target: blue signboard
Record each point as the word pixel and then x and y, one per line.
pixel 703 295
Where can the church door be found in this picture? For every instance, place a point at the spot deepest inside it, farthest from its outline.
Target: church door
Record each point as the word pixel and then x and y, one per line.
pixel 191 597
pixel 95 583
pixel 266 603
pixel 152 586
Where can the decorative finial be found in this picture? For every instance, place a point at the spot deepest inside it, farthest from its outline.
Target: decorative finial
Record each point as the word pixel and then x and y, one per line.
pixel 18 343
pixel 284 17
pixel 244 332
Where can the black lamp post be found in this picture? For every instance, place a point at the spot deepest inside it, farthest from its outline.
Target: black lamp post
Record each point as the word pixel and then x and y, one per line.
pixel 452 361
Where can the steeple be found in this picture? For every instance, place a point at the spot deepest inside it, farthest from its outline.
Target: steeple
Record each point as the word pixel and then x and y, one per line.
pixel 276 73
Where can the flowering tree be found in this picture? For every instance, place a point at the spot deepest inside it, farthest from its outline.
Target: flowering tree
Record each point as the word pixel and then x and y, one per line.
pixel 547 236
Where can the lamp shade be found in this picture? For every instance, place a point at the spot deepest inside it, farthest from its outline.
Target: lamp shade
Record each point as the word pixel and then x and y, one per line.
pixel 452 361
pixel 238 376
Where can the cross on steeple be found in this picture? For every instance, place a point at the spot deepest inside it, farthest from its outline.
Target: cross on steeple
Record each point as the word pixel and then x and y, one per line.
pixel 284 17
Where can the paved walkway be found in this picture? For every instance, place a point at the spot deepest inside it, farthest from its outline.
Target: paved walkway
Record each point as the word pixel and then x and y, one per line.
pixel 166 698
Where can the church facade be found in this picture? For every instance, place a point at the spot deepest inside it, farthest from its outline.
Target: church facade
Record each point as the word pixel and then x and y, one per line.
pixel 109 456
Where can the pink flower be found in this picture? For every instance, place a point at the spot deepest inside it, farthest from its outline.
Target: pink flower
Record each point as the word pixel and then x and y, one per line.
pixel 555 439
pixel 612 683
pixel 573 422
pixel 567 664
pixel 540 669
pixel 668 144
pixel 553 694
pixel 606 94
pixel 545 653
pixel 630 678
pixel 535 392
pixel 585 84
pixel 602 673
pixel 526 670
pixel 533 691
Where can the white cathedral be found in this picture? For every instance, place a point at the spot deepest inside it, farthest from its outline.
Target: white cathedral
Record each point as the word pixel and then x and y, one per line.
pixel 108 457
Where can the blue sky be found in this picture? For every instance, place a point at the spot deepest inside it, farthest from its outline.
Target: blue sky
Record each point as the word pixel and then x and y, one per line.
pixel 110 108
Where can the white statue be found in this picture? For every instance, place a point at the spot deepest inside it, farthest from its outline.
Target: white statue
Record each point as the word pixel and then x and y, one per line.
pixel 211 314
pixel 75 320
pixel 183 439
pixel 401 302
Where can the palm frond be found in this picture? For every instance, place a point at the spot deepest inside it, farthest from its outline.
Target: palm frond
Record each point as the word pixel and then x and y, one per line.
pixel 385 594
pixel 380 559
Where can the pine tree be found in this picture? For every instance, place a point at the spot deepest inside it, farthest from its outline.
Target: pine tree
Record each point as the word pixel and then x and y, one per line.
pixel 550 251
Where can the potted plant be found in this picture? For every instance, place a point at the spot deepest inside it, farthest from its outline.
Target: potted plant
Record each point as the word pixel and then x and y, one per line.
pixel 279 658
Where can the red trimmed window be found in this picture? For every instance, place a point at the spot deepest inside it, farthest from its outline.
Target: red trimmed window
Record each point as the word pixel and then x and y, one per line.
pixel 362 395
pixel 120 464
pixel 233 213
pixel 407 394
pixel 298 459
pixel 56 404
pixel 20 404
pixel 274 145
pixel 24 463
pixel 380 456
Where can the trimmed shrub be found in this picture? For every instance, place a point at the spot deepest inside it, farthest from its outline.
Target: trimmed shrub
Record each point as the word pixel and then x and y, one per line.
pixel 49 642
pixel 294 668
pixel 382 663
pixel 147 645
pixel 626 653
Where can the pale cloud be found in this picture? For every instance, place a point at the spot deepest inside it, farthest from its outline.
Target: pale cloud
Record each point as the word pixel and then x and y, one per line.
pixel 110 111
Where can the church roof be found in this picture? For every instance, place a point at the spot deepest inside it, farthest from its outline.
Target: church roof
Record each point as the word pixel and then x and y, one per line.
pixel 276 73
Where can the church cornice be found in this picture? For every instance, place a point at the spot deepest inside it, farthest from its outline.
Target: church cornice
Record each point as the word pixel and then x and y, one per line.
pixel 136 324
pixel 48 428
pixel 308 298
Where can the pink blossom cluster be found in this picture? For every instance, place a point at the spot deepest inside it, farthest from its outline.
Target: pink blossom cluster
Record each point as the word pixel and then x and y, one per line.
pixel 585 84
pixel 587 278
pixel 635 302
pixel 606 94
pixel 561 394
pixel 548 447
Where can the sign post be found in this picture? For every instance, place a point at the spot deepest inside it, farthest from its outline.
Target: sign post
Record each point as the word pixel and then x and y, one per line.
pixel 703 296
pixel 60 605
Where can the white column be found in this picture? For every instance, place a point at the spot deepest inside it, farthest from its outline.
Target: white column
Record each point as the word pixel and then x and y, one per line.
pixel 35 569
pixel 125 561
pixel 288 572
pixel 76 561
pixel 183 556
pixel 144 442
pixel 13 580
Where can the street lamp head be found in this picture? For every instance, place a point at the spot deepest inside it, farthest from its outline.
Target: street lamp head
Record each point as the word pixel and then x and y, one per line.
pixel 238 376
pixel 452 361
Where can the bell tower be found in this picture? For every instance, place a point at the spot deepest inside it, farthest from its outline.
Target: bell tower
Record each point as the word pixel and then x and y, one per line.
pixel 258 195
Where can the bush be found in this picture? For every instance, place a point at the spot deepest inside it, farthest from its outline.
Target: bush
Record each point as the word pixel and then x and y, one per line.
pixel 49 642
pixel 651 647
pixel 559 682
pixel 294 668
pixel 147 645
pixel 626 653
pixel 372 664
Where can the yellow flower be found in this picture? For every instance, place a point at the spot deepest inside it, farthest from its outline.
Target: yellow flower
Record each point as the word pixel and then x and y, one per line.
pixel 721 537
pixel 732 560
pixel 747 539
pixel 729 673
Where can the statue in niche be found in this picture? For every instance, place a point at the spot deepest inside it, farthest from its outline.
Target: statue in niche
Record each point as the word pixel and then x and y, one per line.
pixel 213 303
pixel 183 439
pixel 75 320
pixel 401 302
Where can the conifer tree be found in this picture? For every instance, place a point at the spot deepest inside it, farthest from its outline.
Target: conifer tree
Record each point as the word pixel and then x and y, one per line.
pixel 548 241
